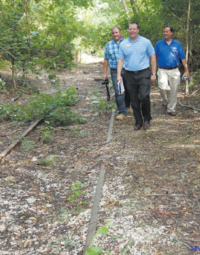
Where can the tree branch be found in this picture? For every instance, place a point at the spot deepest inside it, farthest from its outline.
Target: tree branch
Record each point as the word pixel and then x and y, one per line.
pixel 173 14
pixel 7 52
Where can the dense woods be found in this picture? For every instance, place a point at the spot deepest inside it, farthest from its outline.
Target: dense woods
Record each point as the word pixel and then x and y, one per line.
pixel 49 34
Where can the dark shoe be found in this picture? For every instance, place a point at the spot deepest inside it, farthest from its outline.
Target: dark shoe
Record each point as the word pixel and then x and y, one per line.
pixel 172 113
pixel 146 124
pixel 164 107
pixel 137 127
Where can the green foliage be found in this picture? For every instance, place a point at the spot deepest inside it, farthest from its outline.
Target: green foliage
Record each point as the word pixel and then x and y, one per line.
pixel 105 105
pixel 175 15
pixel 92 250
pixel 77 132
pixel 27 144
pixel 46 136
pixel 101 104
pixel 77 191
pixel 94 92
pixel 39 33
pixel 54 108
pixel 2 84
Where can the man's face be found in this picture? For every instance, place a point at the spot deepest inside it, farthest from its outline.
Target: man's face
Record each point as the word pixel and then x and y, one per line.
pixel 167 33
pixel 116 34
pixel 133 31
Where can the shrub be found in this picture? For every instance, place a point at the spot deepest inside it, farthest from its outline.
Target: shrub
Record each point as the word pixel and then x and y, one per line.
pixel 55 108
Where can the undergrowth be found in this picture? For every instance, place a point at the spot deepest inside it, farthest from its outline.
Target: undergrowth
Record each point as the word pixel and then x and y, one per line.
pixel 101 104
pixel 27 144
pixel 55 108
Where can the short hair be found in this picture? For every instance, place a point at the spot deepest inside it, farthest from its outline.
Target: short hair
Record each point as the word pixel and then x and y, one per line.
pixel 170 27
pixel 134 22
pixel 116 27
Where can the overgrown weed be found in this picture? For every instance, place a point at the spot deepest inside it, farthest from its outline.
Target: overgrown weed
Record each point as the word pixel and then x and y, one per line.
pixel 101 104
pixel 54 108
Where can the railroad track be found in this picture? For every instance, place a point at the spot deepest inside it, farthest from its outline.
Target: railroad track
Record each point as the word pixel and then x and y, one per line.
pixel 95 208
pixel 12 146
pixel 131 178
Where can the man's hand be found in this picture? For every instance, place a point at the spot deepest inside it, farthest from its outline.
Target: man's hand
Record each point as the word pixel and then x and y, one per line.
pixel 119 69
pixel 153 67
pixel 105 76
pixel 119 78
pixel 186 74
pixel 153 78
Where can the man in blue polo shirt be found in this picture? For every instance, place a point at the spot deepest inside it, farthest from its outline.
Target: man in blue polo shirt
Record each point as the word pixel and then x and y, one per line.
pixel 111 60
pixel 169 52
pixel 136 51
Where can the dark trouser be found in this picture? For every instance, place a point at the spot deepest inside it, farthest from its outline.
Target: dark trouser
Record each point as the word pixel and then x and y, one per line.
pixel 127 99
pixel 138 86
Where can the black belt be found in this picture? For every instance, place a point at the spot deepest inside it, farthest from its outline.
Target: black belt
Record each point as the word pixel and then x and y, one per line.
pixel 137 71
pixel 168 68
pixel 113 69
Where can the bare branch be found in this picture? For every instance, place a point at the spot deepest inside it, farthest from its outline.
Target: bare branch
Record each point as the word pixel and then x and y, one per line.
pixel 7 52
pixel 173 14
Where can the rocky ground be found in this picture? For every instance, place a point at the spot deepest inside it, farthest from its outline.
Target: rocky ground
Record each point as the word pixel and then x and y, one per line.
pixel 151 189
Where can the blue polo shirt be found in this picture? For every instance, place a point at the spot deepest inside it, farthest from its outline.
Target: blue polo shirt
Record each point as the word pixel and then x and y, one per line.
pixel 136 54
pixel 111 53
pixel 169 55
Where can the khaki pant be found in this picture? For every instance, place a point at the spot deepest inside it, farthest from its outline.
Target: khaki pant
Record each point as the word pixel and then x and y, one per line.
pixel 168 82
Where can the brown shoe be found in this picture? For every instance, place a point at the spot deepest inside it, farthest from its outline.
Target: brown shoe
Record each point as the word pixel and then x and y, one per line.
pixel 121 117
pixel 172 113
pixel 146 124
pixel 129 110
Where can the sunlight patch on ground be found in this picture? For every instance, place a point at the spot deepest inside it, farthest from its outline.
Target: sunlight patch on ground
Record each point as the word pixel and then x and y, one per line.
pixel 87 59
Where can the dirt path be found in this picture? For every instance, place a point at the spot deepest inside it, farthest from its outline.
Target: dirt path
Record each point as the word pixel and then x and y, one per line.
pixel 151 190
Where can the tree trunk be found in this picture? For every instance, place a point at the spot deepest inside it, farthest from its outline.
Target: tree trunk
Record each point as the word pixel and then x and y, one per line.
pixel 125 7
pixel 28 27
pixel 187 44
pixel 133 7
pixel 13 74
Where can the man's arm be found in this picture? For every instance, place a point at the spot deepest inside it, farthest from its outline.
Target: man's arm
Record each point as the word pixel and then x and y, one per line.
pixel 153 67
pixel 119 69
pixel 105 68
pixel 186 73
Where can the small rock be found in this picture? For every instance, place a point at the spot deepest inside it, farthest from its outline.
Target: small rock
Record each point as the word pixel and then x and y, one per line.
pixel 2 227
pixel 31 200
pixel 10 179
pixel 170 222
pixel 34 159
pixel 17 253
